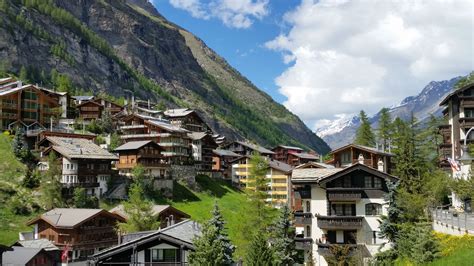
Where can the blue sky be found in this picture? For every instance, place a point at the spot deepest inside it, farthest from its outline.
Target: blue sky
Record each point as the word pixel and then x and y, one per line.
pixel 326 60
pixel 242 48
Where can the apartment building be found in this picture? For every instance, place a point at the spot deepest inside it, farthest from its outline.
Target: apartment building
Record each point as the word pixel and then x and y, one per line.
pixel 340 206
pixel 203 145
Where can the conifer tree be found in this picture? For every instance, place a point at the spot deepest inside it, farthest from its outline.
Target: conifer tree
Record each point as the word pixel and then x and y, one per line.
pixel 364 135
pixel 51 189
pixel 19 144
pixel 23 74
pixel 213 247
pixel 384 131
pixel 283 243
pixel 259 253
pixel 139 212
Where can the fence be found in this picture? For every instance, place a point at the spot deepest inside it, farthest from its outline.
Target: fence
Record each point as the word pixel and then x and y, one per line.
pixel 462 222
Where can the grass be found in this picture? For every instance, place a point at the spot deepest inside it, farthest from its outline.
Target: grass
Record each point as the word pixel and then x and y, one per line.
pixel 11 169
pixel 11 225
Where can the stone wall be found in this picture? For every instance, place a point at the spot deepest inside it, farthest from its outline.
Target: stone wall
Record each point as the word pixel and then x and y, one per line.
pixel 165 186
pixel 184 173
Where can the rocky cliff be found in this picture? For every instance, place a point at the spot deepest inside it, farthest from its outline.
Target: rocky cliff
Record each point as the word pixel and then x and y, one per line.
pixel 124 47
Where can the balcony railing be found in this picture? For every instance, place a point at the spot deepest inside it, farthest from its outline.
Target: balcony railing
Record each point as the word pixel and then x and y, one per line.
pixel 466 121
pixel 303 243
pixel 303 218
pixel 4 105
pixel 344 195
pixel 339 222
pixel 81 184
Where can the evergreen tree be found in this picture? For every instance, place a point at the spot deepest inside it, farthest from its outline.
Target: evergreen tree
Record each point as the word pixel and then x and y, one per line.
pixel 389 224
pixel 106 123
pixel 384 131
pixel 259 253
pixel 19 144
pixel 114 141
pixel 283 243
pixel 23 74
pixel 139 212
pixel 364 135
pixel 213 247
pixel 51 185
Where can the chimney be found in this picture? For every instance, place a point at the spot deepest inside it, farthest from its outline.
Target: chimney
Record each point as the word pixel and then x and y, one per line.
pixel 380 165
pixel 361 158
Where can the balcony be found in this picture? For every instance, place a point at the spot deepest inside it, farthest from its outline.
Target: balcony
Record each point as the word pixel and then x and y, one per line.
pixel 444 129
pixel 8 115
pixel 339 222
pixel 344 195
pixel 303 218
pixel 303 243
pixel 325 249
pixel 11 106
pixel 466 122
pixel 467 101
pixel 81 184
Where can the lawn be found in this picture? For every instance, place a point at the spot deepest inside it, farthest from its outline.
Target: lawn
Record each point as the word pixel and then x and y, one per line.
pixel 11 225
pixel 11 169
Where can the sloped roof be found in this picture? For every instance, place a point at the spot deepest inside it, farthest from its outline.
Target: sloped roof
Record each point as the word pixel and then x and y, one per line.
pixel 19 255
pixel 361 147
pixel 182 233
pixel 314 165
pixel 156 209
pixel 178 112
pixel 69 217
pixel 134 145
pixel 280 166
pixel 38 243
pixel 83 97
pixel 305 155
pixel 288 147
pixel 166 126
pixel 313 174
pixel 255 147
pixel 197 135
pixel 462 89
pixel 78 148
pixel 228 153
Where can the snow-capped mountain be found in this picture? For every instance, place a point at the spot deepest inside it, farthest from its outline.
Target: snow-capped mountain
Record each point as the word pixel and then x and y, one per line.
pixel 342 131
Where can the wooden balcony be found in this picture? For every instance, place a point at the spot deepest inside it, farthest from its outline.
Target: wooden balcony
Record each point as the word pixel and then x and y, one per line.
pixel 303 218
pixel 10 106
pixel 339 222
pixel 303 243
pixel 467 101
pixel 131 165
pixel 344 195
pixel 444 129
pixel 81 184
pixel 8 115
pixel 466 122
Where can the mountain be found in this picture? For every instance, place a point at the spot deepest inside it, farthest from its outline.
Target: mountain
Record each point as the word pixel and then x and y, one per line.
pixel 123 47
pixel 343 130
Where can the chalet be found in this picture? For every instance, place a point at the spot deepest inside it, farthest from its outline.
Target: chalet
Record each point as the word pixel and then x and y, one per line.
pixel 187 118
pixel 109 106
pixel 82 231
pixel 202 146
pixel 296 159
pixel 221 162
pixel 79 99
pixel 281 152
pixel 26 106
pixel 82 162
pixel 353 153
pixel 166 214
pixel 48 246
pixel 146 153
pixel 174 140
pixel 27 256
pixel 90 110
pixel 168 246
pixel 247 149
pixel 340 206
pixel 457 135
pixel 278 176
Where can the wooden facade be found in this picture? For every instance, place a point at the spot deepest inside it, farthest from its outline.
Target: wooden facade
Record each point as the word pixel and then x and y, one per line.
pixel 145 153
pixel 90 110
pixel 352 153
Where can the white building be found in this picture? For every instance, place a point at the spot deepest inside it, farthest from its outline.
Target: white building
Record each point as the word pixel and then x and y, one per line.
pixel 340 206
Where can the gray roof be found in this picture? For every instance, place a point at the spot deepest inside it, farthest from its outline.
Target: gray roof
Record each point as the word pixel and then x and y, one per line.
pixel 225 153
pixel 83 97
pixel 38 243
pixel 19 255
pixel 67 217
pixel 197 135
pixel 305 155
pixel 77 148
pixel 289 147
pixel 167 126
pixel 133 145
pixel 119 209
pixel 317 164
pixel 255 147
pixel 280 166
pixel 184 231
pixel 178 112
pixel 314 174
pixel 362 147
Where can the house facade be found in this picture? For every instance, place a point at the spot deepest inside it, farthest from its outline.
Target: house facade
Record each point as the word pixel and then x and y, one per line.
pixel 167 215
pixel 188 119
pixel 222 165
pixel 340 206
pixel 82 231
pixel 82 162
pixel 353 153
pixel 203 145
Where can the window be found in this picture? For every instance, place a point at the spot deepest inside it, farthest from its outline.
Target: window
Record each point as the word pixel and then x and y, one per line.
pixel 308 206
pixel 373 209
pixel 377 182
pixel 468 112
pixel 368 181
pixel 343 209
pixel 308 231
pixel 346 158
pixel 164 255
pixel 347 181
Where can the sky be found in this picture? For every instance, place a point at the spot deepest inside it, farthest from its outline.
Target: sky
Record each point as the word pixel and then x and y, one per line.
pixel 329 59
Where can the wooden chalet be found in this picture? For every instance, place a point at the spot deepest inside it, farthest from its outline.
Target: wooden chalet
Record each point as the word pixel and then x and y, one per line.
pixel 83 231
pixel 293 155
pixel 109 106
pixel 222 162
pixel 26 106
pixel 90 110
pixel 166 214
pixel 246 149
pixel 353 153
pixel 188 119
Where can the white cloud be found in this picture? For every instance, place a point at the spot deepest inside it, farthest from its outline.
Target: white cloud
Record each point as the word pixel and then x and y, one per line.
pixel 344 56
pixel 233 13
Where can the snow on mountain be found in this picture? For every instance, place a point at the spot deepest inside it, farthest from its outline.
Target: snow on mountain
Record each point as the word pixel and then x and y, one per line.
pixel 342 131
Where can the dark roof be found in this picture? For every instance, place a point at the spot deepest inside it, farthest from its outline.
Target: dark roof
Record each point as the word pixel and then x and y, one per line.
pixel 70 217
pixel 280 166
pixel 182 233
pixel 254 147
pixel 288 147
pixel 37 243
pixel 225 153
pixel 323 175
pixel 19 255
pixel 361 147
pixel 156 210
pixel 314 165
pixel 134 145
pixel 305 155
pixel 455 92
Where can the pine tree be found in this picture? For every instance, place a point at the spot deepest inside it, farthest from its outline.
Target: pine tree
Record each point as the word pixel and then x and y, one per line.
pixel 384 131
pixel 106 123
pixel 213 247
pixel 283 243
pixel 389 224
pixel 259 253
pixel 51 189
pixel 139 212
pixel 19 144
pixel 364 135
pixel 23 74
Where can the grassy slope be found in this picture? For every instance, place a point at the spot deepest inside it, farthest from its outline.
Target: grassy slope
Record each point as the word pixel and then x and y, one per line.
pixel 11 171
